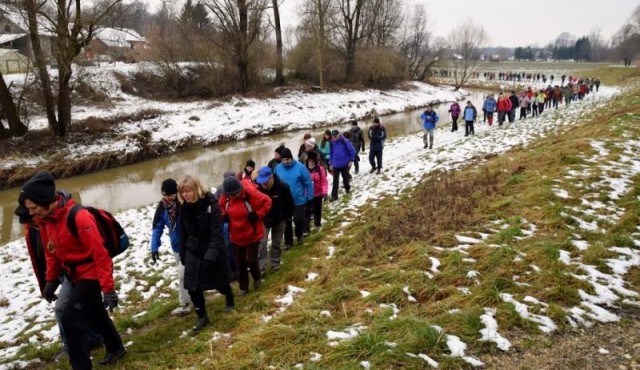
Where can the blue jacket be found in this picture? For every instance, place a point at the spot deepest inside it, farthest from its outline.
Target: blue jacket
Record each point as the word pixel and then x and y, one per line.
pixel 161 220
pixel 470 113
pixel 297 177
pixel 342 152
pixel 429 120
pixel 490 105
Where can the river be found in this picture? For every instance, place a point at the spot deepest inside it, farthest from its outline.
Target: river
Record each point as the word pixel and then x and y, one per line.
pixel 138 184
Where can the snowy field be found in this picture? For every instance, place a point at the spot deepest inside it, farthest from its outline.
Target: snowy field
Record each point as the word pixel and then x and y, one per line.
pixel 26 315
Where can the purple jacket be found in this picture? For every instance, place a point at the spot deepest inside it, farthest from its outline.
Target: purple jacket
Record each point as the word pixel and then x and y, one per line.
pixel 454 110
pixel 342 152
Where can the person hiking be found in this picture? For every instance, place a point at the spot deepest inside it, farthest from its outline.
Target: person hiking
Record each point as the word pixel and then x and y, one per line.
pixel 247 171
pixel 245 207
pixel 294 174
pixel 429 120
pixel 275 221
pixel 85 261
pixel 320 186
pixel 357 140
pixel 342 157
pixel 454 110
pixel 166 216
pixel 504 107
pixel 225 229
pixel 202 249
pixel 489 107
pixel 515 103
pixel 469 116
pixel 377 135
pixel 325 148
pixel 277 157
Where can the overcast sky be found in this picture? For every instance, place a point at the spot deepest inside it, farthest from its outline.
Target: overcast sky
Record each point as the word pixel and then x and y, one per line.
pixel 508 22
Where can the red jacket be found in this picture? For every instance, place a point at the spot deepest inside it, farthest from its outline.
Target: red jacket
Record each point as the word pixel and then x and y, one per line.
pixel 320 183
pixel 504 104
pixel 63 249
pixel 241 231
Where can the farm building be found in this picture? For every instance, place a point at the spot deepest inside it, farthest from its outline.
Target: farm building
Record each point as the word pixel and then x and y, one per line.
pixel 12 61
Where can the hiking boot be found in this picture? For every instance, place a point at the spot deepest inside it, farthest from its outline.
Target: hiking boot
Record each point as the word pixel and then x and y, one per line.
pixel 275 268
pixel 200 324
pixel 287 247
pixel 431 146
pixel 378 172
pixel 113 357
pixel 257 284
pixel 372 170
pixel 182 310
pixel 333 199
pixel 242 292
pixel 425 146
pixel 300 241
pixel 228 309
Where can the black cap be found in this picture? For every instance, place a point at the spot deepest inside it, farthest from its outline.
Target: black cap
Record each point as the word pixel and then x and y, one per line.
pixel 40 189
pixel 280 149
pixel 286 153
pixel 231 185
pixel 169 187
pixel 335 133
pixel 251 163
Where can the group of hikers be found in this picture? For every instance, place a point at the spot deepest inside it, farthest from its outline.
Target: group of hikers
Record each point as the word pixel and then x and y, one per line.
pixel 216 237
pixel 235 233
pixel 530 102
pixel 526 77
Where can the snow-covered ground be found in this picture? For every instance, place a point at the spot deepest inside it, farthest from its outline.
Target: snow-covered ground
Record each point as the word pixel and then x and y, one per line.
pixel 25 314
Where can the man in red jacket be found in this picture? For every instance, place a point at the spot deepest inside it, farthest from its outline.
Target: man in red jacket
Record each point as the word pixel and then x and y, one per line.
pixel 85 261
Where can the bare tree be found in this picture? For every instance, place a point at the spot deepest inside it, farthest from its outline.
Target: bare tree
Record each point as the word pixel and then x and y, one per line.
pixel 238 23
pixel 466 43
pixel 347 24
pixel 73 30
pixel 418 44
pixel 316 14
pixel 598 45
pixel 10 113
pixel 380 22
pixel 279 48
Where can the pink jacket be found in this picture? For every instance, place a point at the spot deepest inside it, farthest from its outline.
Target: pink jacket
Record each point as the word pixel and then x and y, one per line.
pixel 320 183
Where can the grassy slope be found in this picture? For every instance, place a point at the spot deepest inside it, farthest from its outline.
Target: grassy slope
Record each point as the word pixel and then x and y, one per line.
pixel 388 248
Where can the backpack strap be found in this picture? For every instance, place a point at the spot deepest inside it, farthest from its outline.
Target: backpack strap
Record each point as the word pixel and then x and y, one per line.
pixel 71 219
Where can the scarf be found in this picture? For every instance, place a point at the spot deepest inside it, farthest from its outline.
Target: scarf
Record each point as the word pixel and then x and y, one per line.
pixel 172 210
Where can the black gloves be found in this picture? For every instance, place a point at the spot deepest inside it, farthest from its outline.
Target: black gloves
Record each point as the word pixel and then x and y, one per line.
pixel 50 290
pixel 155 256
pixel 225 219
pixel 253 217
pixel 110 300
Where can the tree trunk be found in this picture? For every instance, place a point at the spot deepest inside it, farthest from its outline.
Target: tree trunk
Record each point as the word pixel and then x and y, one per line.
pixel 64 100
pixel 16 127
pixel 41 64
pixel 279 51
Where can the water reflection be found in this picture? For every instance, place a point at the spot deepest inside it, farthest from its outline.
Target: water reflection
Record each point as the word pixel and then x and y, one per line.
pixel 139 184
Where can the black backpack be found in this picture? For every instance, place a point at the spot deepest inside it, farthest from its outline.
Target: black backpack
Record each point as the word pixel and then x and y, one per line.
pixel 115 239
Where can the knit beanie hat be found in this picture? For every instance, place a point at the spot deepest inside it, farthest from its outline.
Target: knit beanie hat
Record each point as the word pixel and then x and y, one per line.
pixel 231 185
pixel 169 187
pixel 286 153
pixel 311 142
pixel 228 173
pixel 40 189
pixel 251 163
pixel 280 149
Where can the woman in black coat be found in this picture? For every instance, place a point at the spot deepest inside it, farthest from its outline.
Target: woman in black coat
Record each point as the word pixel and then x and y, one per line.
pixel 202 250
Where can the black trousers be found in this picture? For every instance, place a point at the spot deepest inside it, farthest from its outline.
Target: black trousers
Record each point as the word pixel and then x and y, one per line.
pixel 247 257
pixel 375 155
pixel 314 208
pixel 337 172
pixel 468 128
pixel 85 307
pixel 296 224
pixel 197 296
